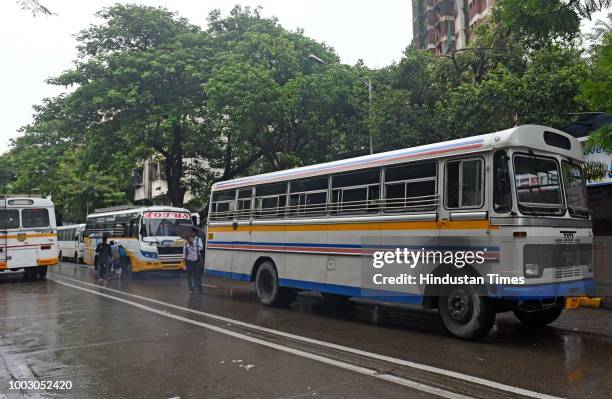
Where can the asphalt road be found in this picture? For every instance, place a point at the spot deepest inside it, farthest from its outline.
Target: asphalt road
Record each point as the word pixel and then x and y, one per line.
pixel 146 337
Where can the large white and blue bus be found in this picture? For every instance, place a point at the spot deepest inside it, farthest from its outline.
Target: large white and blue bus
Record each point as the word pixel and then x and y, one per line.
pixel 517 193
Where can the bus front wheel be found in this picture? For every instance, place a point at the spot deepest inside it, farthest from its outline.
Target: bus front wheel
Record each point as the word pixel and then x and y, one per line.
pixel 538 317
pixel 465 313
pixel 268 290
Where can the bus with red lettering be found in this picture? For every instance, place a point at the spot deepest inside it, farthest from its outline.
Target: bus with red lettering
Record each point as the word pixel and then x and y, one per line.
pixel 149 235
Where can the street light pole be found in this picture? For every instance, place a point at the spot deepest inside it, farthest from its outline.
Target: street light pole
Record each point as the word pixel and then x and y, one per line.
pixel 362 80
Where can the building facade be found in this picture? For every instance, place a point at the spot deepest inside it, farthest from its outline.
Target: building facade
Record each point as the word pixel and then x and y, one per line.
pixel 150 186
pixel 443 26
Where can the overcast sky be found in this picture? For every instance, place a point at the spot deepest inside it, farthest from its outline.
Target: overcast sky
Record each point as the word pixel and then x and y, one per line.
pixel 35 48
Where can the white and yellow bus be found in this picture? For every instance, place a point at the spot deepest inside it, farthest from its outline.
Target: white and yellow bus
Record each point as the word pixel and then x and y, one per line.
pixel 71 242
pixel 28 237
pixel 518 195
pixel 148 234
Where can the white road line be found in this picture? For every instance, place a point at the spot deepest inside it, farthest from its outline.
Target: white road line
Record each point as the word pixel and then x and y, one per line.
pixel 402 362
pixel 347 366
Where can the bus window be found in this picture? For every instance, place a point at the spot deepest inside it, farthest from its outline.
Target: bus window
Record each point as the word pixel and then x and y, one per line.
pixel 35 217
pixel 502 191
pixel 410 187
pixel 243 209
pixel 222 204
pixel 9 219
pixel 270 199
pixel 308 196
pixel 356 192
pixel 464 183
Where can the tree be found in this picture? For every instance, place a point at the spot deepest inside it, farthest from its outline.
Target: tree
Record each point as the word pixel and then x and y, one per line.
pixel 597 90
pixel 138 86
pixel 269 104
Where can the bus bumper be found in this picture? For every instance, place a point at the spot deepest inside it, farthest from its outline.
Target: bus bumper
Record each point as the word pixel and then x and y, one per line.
pixel 47 261
pixel 552 290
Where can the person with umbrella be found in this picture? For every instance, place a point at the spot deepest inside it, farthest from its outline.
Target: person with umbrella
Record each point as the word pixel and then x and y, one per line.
pixel 193 260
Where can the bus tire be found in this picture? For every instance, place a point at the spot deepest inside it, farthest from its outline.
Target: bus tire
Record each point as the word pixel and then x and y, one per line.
pixel 465 313
pixel 268 290
pixel 538 317
pixel 41 273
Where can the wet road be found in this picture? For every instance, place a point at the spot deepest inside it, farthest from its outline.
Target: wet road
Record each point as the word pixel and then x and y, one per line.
pixel 147 338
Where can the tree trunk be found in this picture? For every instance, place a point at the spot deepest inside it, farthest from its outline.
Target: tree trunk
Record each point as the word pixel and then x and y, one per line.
pixel 174 168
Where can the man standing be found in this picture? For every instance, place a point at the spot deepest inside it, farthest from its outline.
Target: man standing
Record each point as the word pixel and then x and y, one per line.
pixel 104 258
pixel 191 254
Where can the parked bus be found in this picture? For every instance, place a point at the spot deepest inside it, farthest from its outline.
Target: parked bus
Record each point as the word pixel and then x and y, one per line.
pixel 28 239
pixel 521 191
pixel 148 234
pixel 70 239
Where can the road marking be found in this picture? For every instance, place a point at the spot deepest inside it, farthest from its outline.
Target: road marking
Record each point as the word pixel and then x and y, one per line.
pixel 337 363
pixel 402 362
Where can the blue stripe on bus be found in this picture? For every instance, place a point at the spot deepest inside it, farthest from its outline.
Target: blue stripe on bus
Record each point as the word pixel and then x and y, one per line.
pixel 524 292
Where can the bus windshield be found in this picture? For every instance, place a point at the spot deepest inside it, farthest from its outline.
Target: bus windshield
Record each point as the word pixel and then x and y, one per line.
pixel 538 185
pixel 163 224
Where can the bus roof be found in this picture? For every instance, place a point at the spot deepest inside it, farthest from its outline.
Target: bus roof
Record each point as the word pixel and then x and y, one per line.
pixel 140 210
pixel 526 136
pixel 21 201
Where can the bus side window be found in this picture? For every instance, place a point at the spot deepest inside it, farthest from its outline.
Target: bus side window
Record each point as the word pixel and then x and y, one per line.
pixel 270 200
pixel 243 209
pixel 223 204
pixel 464 183
pixel 502 192
pixel 356 192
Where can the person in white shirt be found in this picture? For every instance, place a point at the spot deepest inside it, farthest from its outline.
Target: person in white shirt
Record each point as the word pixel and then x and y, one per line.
pixel 191 254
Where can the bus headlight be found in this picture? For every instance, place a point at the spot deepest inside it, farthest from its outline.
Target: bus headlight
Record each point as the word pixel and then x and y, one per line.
pixel 532 269
pixel 147 254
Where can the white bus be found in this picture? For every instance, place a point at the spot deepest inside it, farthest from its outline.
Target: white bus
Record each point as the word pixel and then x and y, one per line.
pixel 28 239
pixel 70 239
pixel 148 234
pixel 518 194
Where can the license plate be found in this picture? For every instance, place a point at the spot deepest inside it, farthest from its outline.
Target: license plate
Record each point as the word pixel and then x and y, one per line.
pixel 572 302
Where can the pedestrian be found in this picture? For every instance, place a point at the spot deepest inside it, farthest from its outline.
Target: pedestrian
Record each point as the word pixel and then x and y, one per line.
pixel 192 257
pixel 123 260
pixel 114 259
pixel 103 250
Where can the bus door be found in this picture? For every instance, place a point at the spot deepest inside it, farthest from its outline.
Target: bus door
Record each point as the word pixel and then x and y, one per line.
pixel 3 236
pixel 462 213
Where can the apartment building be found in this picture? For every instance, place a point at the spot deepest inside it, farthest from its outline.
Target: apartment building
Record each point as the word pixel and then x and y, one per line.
pixel 443 26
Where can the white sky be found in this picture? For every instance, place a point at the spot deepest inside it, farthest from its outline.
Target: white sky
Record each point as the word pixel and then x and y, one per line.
pixel 35 48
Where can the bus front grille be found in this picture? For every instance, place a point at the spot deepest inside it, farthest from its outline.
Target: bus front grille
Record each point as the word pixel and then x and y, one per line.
pixel 566 272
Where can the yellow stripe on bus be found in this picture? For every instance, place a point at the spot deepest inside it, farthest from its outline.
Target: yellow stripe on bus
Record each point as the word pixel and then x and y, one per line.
pixel 29 236
pixel 416 225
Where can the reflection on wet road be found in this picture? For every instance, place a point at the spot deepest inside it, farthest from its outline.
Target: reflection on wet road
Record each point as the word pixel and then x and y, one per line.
pixel 146 337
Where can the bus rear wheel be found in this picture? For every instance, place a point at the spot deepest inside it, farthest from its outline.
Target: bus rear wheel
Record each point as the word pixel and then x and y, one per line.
pixel 538 317
pixel 41 273
pixel 268 290
pixel 465 313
